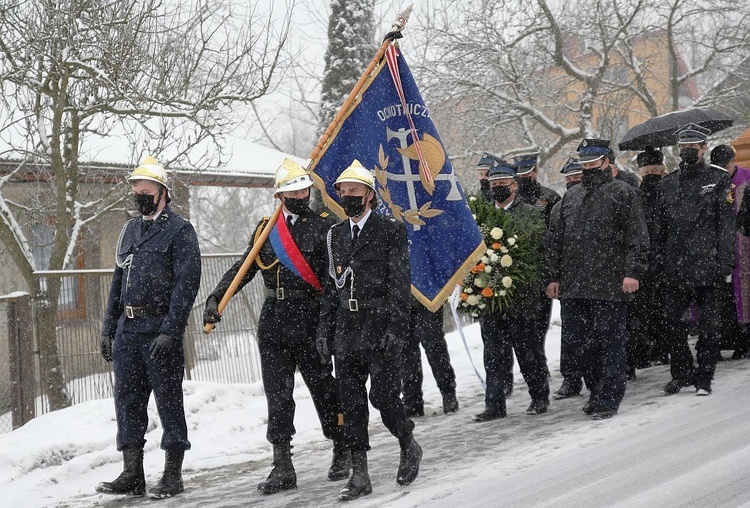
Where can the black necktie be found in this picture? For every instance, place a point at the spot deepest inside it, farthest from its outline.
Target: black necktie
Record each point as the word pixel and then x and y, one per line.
pixel 355 234
pixel 146 224
pixel 289 221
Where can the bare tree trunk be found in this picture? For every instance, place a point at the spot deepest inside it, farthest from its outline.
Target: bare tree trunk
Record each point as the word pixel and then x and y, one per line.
pixel 52 377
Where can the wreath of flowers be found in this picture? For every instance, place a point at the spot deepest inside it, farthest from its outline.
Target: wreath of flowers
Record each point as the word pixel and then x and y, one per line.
pixel 509 269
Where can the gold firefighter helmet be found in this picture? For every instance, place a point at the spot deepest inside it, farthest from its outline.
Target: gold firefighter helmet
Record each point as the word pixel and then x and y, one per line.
pixel 356 173
pixel 291 177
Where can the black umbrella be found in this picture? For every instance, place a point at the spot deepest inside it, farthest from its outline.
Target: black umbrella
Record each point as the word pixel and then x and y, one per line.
pixel 662 130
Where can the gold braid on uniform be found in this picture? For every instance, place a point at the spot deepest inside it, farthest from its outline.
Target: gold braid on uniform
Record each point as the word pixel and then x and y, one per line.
pixel 255 240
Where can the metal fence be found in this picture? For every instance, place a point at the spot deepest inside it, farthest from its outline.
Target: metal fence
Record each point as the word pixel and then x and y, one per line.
pixel 229 354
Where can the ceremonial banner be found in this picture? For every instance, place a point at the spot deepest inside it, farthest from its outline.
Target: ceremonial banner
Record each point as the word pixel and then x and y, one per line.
pixel 389 130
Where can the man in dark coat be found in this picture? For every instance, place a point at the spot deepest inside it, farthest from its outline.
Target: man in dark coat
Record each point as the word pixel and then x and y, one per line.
pixel 364 321
pixel 483 168
pixel 648 332
pixel 543 199
pixel 426 329
pixel 153 289
pixel 571 352
pixel 597 256
pixel 624 176
pixel 515 328
pixel 695 239
pixel 735 298
pixel 288 323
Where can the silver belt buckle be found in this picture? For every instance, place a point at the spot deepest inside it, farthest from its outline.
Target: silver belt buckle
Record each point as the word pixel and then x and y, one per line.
pixel 280 294
pixel 353 305
pixel 129 312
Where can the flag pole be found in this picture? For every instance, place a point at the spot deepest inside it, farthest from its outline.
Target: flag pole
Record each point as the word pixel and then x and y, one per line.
pixel 395 33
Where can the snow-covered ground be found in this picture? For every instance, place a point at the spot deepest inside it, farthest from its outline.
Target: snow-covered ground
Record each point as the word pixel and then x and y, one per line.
pixel 659 451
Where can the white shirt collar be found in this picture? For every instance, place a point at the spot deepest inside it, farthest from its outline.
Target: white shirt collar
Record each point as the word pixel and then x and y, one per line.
pixel 361 222
pixel 289 214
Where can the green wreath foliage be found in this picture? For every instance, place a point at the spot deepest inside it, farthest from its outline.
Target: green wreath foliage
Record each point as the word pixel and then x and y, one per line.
pixel 508 274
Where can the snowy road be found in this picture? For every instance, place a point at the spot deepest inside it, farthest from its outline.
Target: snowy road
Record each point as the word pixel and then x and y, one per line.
pixel 659 451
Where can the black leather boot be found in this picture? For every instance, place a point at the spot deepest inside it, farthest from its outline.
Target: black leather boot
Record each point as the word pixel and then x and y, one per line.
pixel 359 483
pixel 283 476
pixel 171 480
pixel 131 481
pixel 411 456
pixel 450 402
pixel 341 463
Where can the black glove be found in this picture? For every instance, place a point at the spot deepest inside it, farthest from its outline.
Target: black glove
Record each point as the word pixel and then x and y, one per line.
pixel 161 347
pixel 211 313
pixel 105 347
pixel 321 344
pixel 391 344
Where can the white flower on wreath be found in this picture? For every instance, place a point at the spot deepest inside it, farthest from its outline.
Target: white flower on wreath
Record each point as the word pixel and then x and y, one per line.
pixel 480 282
pixel 507 281
pixel 472 198
pixel 490 252
pixel 506 261
pixel 503 250
pixel 496 233
pixel 502 292
pixel 485 260
pixel 511 241
pixel 468 290
pixel 482 305
pixel 494 258
pixel 488 269
pixel 472 300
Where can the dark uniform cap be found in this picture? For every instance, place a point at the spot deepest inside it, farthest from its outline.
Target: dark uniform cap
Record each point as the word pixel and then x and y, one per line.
pixel 691 134
pixel 592 149
pixel 722 155
pixel 502 169
pixel 650 157
pixel 526 162
pixel 486 162
pixel 572 167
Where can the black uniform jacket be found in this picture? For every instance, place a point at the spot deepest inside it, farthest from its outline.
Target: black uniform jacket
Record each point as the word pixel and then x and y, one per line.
pixel 600 238
pixel 309 233
pixel 542 198
pixel 379 262
pixel 696 225
pixel 160 270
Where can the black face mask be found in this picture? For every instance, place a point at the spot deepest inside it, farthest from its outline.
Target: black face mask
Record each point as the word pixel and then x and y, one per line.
pixel 650 182
pixel 572 184
pixel 485 189
pixel 591 176
pixel 689 155
pixel 501 193
pixel 353 205
pixel 526 185
pixel 297 206
pixel 144 203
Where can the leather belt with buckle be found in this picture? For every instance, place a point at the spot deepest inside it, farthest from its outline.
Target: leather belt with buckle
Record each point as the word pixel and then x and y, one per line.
pixel 290 294
pixel 357 304
pixel 132 312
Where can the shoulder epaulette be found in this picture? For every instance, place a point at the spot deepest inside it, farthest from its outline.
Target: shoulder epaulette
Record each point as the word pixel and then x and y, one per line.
pixel 324 214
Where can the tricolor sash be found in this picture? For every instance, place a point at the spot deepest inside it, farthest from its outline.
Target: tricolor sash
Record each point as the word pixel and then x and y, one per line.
pixel 289 254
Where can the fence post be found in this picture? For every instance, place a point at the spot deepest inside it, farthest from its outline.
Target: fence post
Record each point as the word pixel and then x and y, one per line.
pixel 21 351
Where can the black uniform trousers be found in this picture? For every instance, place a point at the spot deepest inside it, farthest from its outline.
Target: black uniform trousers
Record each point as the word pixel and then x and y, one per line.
pixel 501 335
pixel 383 368
pixel 734 335
pixel 601 327
pixel 708 347
pixel 571 353
pixel 647 326
pixel 426 328
pixel 136 376
pixel 282 350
